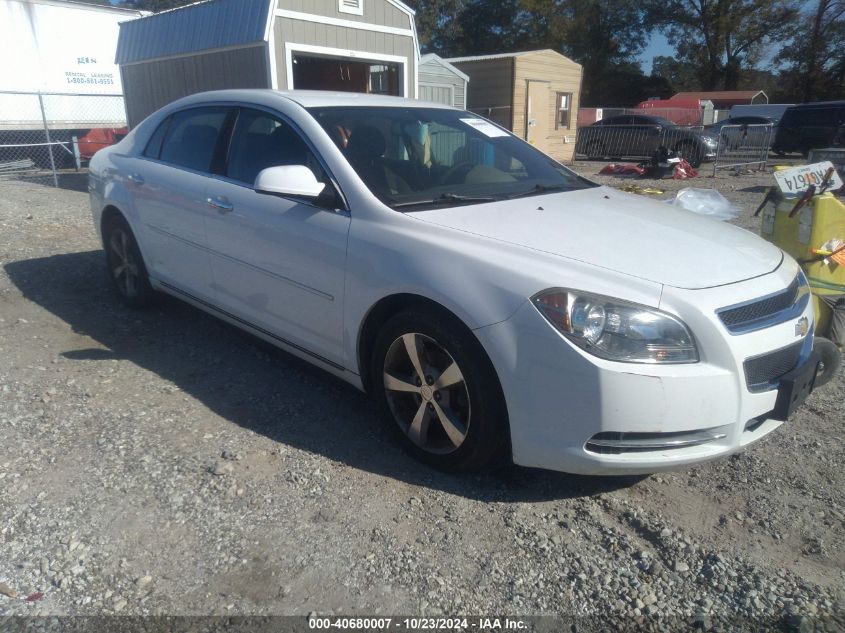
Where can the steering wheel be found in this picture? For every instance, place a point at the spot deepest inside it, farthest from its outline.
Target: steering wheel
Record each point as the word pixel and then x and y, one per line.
pixel 457 172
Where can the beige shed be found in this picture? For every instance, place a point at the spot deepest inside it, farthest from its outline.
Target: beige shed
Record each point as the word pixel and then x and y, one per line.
pixel 535 94
pixel 347 45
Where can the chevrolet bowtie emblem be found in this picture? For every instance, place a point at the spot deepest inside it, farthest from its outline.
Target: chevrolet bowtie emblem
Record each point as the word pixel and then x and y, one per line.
pixel 802 327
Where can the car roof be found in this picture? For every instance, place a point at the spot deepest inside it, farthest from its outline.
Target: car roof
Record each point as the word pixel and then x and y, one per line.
pixel 310 98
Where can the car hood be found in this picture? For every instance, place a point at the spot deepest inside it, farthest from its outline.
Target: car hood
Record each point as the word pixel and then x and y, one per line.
pixel 621 232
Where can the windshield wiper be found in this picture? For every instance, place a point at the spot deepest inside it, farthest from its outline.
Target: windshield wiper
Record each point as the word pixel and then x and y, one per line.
pixel 538 189
pixel 446 198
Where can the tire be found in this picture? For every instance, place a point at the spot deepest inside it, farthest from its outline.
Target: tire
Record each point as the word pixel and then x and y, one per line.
pixel 124 264
pixel 831 360
pixel 461 427
pixel 691 152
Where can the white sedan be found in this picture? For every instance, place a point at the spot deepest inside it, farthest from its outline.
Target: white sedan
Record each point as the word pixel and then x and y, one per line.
pixel 495 303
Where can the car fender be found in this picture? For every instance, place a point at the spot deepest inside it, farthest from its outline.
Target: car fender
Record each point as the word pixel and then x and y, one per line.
pixel 479 280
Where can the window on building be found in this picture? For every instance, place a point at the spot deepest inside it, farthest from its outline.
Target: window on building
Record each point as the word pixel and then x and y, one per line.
pixel 355 7
pixel 564 108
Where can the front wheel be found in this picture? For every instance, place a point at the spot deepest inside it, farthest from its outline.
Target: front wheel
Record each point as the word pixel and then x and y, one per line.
pixel 440 392
pixel 831 359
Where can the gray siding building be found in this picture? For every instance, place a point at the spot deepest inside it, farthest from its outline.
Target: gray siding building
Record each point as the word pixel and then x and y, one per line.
pixel 345 45
pixel 441 82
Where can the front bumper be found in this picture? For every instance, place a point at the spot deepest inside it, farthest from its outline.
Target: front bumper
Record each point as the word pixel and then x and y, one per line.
pixel 559 397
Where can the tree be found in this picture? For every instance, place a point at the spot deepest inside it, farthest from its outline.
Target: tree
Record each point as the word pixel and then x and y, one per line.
pixel 470 27
pixel 815 60
pixel 625 85
pixel 601 36
pixel 493 26
pixel 722 38
pixel 438 24
pixel 680 75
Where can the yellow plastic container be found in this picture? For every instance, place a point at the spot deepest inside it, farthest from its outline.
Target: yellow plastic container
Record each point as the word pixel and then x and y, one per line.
pixel 821 219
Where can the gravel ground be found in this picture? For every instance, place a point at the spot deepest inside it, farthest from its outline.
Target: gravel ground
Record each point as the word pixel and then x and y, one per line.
pixel 162 462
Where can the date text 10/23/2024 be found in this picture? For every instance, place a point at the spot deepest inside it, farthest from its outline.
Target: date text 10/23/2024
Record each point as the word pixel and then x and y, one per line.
pixel 417 623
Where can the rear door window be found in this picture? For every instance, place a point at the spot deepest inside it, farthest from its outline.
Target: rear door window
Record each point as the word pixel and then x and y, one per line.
pixel 192 138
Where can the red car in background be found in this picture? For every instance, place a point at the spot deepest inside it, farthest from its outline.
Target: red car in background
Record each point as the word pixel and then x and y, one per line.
pixel 98 138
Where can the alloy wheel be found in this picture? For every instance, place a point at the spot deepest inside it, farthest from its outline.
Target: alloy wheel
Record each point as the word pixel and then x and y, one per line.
pixel 427 393
pixel 123 266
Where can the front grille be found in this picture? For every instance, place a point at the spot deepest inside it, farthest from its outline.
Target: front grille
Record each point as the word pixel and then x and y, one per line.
pixel 763 372
pixel 762 312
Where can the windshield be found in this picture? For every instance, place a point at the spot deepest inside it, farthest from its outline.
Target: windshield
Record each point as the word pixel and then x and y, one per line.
pixel 416 158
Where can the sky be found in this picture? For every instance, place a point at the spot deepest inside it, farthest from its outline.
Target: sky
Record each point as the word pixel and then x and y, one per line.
pixel 658 45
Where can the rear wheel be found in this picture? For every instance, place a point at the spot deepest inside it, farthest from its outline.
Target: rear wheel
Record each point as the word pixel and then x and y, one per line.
pixel 440 392
pixel 125 265
pixel 831 359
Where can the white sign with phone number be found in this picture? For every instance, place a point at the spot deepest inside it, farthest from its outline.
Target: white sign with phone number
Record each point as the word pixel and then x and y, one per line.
pixel 797 180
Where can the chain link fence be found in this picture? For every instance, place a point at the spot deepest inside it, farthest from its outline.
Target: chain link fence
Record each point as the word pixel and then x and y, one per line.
pixel 743 146
pixel 46 135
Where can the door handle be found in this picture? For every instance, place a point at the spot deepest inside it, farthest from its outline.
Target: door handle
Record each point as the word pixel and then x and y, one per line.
pixel 135 179
pixel 221 204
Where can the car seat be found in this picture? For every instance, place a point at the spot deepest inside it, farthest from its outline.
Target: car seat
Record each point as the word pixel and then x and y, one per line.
pixel 365 150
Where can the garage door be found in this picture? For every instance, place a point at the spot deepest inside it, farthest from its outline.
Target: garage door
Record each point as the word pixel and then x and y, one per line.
pixel 346 75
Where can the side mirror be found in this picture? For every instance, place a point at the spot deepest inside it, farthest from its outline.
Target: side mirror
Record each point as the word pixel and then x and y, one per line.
pixel 291 180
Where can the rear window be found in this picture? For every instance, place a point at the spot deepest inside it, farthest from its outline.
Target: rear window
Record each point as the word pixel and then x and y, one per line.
pixel 153 148
pixel 192 137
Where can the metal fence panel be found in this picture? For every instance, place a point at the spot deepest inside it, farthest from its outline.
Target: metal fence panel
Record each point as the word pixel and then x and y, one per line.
pixel 743 146
pixel 642 141
pixel 45 135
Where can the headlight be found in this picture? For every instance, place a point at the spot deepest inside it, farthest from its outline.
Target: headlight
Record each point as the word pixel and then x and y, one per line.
pixel 712 141
pixel 617 330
